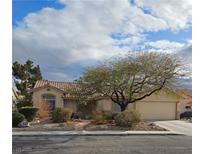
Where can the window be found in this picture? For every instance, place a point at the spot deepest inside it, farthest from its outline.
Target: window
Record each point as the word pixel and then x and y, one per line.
pixel 50 99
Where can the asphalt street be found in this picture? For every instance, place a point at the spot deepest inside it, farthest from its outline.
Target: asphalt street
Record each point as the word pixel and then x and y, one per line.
pixel 138 144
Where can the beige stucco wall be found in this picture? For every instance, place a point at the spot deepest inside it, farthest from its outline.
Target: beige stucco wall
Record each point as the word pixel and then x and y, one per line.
pixel 160 106
pixel 162 96
pixel 149 110
pixel 71 105
pixel 37 96
pixel 155 110
pixel 105 105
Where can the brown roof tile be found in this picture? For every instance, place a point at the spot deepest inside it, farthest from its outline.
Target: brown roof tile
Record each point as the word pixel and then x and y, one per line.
pixel 64 86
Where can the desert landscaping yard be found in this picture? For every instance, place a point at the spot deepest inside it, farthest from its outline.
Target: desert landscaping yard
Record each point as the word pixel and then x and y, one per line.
pixel 62 119
pixel 88 125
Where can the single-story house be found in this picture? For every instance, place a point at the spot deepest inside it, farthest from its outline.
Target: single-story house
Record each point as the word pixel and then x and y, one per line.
pixel 160 106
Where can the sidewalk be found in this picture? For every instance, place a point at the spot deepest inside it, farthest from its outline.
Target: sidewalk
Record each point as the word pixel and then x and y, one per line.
pixel 92 133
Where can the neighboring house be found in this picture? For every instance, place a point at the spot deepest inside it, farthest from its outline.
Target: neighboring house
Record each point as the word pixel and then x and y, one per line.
pixel 161 106
pixel 185 101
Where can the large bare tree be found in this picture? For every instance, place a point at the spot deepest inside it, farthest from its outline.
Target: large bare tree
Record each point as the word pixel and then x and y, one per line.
pixel 129 79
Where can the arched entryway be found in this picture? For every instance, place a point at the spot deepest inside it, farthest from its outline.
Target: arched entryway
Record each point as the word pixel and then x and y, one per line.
pixel 50 100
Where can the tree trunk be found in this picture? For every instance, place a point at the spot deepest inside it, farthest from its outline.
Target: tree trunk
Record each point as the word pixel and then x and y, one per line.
pixel 123 107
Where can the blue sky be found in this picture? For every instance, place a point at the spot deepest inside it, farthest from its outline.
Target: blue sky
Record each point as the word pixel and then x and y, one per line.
pixel 21 8
pixel 65 36
pixel 181 36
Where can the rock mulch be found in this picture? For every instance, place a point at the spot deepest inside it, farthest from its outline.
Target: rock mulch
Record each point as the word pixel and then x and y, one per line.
pixel 47 127
pixel 79 125
pixel 142 126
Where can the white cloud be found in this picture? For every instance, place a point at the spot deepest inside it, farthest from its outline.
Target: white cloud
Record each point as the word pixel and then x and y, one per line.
pixel 184 50
pixel 186 54
pixel 165 45
pixel 177 13
pixel 81 31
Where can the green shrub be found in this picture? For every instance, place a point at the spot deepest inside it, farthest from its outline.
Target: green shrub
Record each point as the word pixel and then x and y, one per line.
pixel 61 115
pixel 108 115
pixel 14 109
pixel 21 104
pixel 17 118
pixel 113 115
pixel 127 118
pixel 29 112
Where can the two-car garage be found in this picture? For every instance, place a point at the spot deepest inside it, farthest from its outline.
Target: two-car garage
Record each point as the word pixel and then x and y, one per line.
pixel 160 106
pixel 157 110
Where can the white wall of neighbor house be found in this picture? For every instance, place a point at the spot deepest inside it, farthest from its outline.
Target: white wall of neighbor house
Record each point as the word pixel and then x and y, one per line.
pixel 37 96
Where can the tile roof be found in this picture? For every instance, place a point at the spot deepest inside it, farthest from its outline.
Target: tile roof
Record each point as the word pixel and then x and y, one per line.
pixel 186 92
pixel 64 86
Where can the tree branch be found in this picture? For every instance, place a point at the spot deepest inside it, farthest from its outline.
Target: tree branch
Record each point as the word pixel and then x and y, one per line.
pixel 149 94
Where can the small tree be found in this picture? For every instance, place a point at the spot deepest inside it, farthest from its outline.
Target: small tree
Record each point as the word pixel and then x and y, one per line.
pixel 25 77
pixel 129 79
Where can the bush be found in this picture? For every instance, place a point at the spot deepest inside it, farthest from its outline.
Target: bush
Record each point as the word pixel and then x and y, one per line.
pixel 80 115
pixel 17 118
pixel 127 118
pixel 61 115
pixel 101 117
pixel 29 112
pixel 14 109
pixel 108 115
pixel 22 103
pixel 114 115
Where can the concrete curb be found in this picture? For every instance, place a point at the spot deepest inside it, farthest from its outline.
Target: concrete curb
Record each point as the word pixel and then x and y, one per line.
pixel 92 133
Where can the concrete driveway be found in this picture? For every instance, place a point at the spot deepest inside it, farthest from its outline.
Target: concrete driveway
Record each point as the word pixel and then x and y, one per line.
pixel 178 126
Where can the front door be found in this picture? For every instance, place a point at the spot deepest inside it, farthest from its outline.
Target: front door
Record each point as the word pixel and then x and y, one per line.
pixel 50 100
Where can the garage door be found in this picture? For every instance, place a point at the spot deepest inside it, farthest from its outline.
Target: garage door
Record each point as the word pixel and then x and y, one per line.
pixel 157 110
